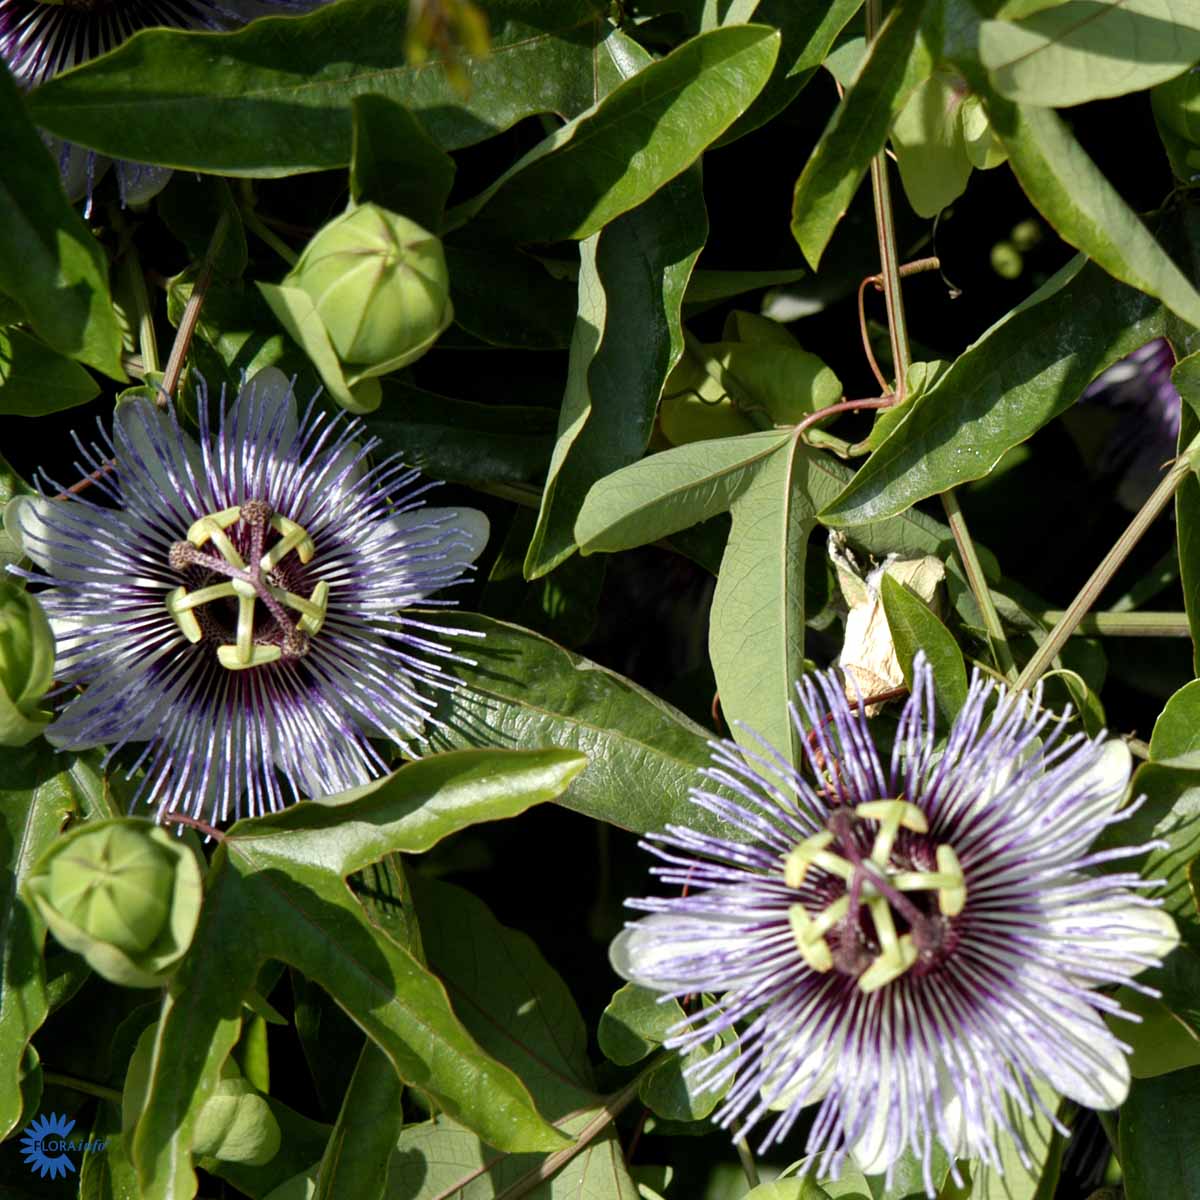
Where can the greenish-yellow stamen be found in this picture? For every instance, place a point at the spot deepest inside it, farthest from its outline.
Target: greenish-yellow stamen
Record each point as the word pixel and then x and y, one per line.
pixel 876 887
pixel 248 583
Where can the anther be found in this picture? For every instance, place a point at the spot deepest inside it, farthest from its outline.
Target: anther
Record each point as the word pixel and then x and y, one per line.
pixel 812 852
pixel 952 899
pixel 182 555
pixel 812 946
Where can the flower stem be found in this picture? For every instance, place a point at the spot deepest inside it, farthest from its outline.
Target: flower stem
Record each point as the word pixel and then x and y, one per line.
pixel 890 275
pixel 83 1085
pixel 746 1158
pixel 191 311
pixel 135 280
pixel 1091 590
pixel 258 227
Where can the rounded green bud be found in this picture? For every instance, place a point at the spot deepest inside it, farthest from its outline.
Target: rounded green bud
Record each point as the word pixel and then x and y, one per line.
pixel 235 1124
pixel 116 887
pixel 124 894
pixel 379 283
pixel 26 664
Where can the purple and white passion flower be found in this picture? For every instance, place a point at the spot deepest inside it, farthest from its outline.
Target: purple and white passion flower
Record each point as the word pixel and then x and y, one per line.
pixel 238 603
pixel 910 948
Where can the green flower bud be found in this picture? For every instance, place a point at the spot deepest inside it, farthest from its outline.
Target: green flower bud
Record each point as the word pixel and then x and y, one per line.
pixel 379 283
pixel 235 1124
pixel 26 664
pixel 124 894
pixel 116 887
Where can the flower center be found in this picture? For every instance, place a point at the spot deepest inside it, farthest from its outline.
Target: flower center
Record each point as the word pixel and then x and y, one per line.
pixel 890 900
pixel 253 580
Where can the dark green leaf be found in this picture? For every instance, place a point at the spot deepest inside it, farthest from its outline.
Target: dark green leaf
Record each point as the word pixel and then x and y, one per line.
pixel 1176 737
pixel 35 798
pixel 563 605
pixel 1029 367
pixel 1187 502
pixel 646 132
pixel 49 262
pixel 275 98
pixel 464 442
pixel 509 998
pixel 636 1023
pixel 1159 1131
pixel 508 298
pixel 627 338
pixel 35 380
pixel 858 129
pixel 1161 1042
pixel 807 29
pixel 394 163
pixel 916 627
pixel 361 1144
pixel 643 755
pixel 191 206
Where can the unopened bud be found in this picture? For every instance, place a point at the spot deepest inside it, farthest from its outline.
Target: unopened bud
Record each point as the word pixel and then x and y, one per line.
pixel 379 283
pixel 123 894
pixel 26 664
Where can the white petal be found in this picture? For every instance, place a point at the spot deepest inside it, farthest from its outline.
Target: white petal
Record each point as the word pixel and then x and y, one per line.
pixel 882 1141
pixel 154 456
pixel 62 538
pixel 1108 780
pixel 139 183
pixel 808 1078
pixel 1127 929
pixel 668 952
pixel 466 528
pixel 1083 1061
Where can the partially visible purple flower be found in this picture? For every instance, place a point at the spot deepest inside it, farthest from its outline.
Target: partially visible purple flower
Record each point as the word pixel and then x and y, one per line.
pixel 907 947
pixel 40 38
pixel 1139 387
pixel 239 604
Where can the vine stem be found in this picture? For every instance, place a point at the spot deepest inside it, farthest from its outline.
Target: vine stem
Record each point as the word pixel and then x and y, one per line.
pixel 1090 592
pixel 1116 623
pixel 83 1085
pixel 901 360
pixel 135 279
pixel 191 311
pixel 613 1106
